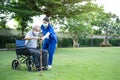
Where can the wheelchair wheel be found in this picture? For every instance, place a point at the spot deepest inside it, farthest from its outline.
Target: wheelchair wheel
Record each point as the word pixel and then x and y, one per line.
pixel 29 64
pixel 16 64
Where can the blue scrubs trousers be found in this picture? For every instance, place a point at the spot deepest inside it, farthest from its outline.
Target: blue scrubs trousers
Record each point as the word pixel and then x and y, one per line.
pixel 50 46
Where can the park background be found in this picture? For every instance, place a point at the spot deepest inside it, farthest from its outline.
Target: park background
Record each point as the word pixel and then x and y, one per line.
pixel 88 38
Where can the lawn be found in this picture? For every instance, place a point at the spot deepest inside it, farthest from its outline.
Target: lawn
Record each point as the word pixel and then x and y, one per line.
pixel 69 64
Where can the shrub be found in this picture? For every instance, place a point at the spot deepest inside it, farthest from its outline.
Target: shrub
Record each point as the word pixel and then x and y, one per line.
pixel 97 42
pixel 7 39
pixel 115 42
pixel 10 46
pixel 87 42
pixel 65 42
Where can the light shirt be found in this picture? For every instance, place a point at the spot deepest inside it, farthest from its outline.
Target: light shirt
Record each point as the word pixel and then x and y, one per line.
pixel 31 43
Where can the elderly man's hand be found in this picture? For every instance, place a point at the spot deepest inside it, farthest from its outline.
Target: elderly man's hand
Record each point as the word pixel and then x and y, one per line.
pixel 42 38
pixel 37 38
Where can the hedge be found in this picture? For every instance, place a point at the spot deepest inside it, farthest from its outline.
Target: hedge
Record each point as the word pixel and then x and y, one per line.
pixel 5 41
pixel 10 46
pixel 115 42
pixel 67 42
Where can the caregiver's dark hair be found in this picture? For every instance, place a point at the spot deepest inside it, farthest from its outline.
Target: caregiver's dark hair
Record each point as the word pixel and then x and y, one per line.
pixel 46 19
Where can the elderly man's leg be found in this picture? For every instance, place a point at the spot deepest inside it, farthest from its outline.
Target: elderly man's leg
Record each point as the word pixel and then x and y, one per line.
pixel 45 58
pixel 36 54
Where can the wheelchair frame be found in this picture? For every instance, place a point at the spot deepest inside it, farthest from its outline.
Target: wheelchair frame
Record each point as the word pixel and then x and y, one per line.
pixel 22 56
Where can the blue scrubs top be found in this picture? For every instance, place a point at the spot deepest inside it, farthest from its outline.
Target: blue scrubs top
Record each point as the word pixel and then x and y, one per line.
pixel 52 36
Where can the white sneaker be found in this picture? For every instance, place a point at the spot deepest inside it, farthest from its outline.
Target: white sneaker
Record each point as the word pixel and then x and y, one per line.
pixel 49 67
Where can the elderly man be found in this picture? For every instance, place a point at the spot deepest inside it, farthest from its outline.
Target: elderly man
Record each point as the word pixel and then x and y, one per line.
pixel 31 43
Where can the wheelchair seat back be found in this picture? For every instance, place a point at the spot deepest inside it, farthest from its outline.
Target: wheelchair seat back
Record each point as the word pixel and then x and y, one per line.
pixel 20 44
pixel 21 49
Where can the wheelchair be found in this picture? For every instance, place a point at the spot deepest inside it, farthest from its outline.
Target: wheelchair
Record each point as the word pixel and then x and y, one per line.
pixel 22 56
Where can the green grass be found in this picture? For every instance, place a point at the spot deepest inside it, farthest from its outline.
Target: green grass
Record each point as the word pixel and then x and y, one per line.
pixel 69 64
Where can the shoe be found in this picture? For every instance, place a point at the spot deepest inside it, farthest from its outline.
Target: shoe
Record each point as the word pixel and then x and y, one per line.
pixel 38 69
pixel 49 67
pixel 45 68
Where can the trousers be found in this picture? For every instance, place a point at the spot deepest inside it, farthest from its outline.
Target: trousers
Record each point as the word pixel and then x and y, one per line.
pixel 50 46
pixel 36 57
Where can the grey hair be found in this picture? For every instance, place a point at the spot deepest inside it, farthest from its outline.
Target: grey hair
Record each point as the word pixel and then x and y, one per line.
pixel 34 26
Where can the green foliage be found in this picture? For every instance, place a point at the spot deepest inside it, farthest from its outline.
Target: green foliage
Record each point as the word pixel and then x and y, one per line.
pixel 35 7
pixel 107 22
pixel 65 42
pixel 79 20
pixel 87 42
pixel 4 17
pixel 20 12
pixel 116 27
pixel 80 15
pixel 115 42
pixel 51 8
pixel 7 39
pixel 9 32
pixel 10 46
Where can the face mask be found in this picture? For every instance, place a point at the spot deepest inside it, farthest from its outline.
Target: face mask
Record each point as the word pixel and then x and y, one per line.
pixel 35 33
pixel 45 25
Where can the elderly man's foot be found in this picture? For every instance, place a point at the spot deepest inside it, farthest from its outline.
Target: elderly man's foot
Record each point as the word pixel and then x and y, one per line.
pixel 45 68
pixel 38 69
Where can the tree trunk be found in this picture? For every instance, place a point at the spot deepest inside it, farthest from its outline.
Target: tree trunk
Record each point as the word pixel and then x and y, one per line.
pixel 75 42
pixel 105 42
pixel 22 32
pixel 91 40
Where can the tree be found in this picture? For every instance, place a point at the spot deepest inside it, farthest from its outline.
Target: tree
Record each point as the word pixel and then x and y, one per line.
pixel 20 12
pixel 52 8
pixel 76 29
pixel 4 15
pixel 106 23
pixel 116 27
pixel 24 9
pixel 79 24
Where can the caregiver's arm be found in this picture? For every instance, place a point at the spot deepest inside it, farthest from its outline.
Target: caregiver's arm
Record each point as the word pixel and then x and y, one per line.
pixel 46 36
pixel 29 38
